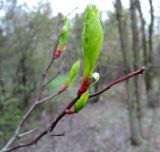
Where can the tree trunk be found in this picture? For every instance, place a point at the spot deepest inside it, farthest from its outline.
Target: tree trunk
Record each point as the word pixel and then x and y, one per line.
pixel 2 85
pixel 149 76
pixel 135 127
pixel 147 53
pixel 132 104
pixel 136 55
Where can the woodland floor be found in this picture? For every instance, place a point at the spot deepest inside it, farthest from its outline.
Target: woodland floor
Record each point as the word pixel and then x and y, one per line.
pixel 102 127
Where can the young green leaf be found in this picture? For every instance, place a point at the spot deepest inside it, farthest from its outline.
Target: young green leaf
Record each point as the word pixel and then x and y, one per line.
pixel 71 77
pixel 65 33
pixel 73 73
pixel 80 104
pixel 64 38
pixel 92 39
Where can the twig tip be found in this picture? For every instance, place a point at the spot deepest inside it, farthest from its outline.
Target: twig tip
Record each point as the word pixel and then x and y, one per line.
pixel 143 69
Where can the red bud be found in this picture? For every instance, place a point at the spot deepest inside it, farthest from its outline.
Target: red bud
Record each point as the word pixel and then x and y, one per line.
pixel 58 53
pixel 64 88
pixel 69 111
pixel 84 86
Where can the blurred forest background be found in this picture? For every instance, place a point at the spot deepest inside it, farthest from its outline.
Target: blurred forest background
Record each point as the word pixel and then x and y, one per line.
pixel 128 112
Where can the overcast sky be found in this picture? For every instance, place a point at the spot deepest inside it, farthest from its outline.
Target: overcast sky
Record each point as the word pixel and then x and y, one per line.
pixel 65 6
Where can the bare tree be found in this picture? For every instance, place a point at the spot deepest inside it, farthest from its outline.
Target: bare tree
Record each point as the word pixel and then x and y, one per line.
pixel 132 104
pixel 136 56
pixel 149 74
pixel 148 52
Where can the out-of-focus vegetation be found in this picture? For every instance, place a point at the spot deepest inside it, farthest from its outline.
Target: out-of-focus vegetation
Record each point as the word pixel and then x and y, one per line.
pixel 26 38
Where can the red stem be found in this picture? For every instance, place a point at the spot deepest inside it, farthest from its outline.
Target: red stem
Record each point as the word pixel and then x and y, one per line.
pixel 123 78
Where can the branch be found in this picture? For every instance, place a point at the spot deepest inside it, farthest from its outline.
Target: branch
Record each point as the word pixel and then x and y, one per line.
pixel 26 133
pixel 124 78
pixel 63 113
pixel 71 12
pixel 38 99
pixel 57 74
pixel 49 97
pixel 56 134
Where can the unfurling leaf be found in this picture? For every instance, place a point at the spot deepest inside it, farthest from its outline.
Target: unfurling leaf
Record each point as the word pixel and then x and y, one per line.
pixel 80 104
pixel 73 73
pixel 95 77
pixel 71 77
pixel 65 33
pixel 64 38
pixel 92 39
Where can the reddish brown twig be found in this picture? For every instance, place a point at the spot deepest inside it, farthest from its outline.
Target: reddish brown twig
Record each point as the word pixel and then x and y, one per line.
pixel 62 114
pixel 124 78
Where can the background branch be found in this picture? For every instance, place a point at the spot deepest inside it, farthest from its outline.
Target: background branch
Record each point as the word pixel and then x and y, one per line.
pixel 37 101
pixel 27 133
pixel 57 74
